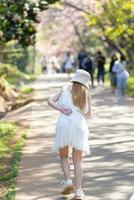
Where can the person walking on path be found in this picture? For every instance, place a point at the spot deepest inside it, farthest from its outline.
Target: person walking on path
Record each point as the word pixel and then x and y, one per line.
pixel 100 66
pixel 88 66
pixel 44 63
pixel 121 75
pixel 68 63
pixel 81 56
pixel 112 74
pixel 74 103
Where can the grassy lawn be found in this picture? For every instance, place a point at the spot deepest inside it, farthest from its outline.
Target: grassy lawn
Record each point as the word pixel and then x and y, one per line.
pixel 130 87
pixel 18 79
pixel 130 83
pixel 26 90
pixel 12 140
pixel 15 76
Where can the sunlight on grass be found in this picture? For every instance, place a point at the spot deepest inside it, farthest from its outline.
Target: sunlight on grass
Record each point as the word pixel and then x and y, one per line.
pixel 10 155
pixel 7 132
pixel 26 90
pixel 130 86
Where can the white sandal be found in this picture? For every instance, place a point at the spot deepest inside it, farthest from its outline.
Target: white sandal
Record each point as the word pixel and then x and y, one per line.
pixel 79 195
pixel 68 187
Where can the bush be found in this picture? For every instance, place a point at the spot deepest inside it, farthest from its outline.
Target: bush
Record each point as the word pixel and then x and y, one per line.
pixel 12 74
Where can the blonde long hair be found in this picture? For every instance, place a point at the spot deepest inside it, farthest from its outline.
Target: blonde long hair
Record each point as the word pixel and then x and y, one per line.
pixel 79 95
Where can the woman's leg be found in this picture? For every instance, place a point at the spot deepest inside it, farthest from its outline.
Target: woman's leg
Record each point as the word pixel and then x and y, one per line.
pixel 119 88
pixel 65 165
pixel 124 85
pixel 77 160
pixel 98 76
pixel 92 78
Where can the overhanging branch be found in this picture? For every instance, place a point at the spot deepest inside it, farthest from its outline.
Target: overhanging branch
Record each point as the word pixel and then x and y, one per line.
pixel 76 7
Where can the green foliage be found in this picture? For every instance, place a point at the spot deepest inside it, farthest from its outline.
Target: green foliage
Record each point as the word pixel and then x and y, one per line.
pixel 13 75
pixel 9 70
pixel 114 22
pixel 7 132
pixel 16 152
pixel 10 194
pixel 130 87
pixel 7 146
pixel 10 177
pixel 16 55
pixel 26 90
pixel 18 18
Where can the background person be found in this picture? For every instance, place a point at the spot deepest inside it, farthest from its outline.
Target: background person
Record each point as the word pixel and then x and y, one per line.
pixel 100 67
pixel 44 63
pixel 88 66
pixel 112 74
pixel 68 63
pixel 81 56
pixel 121 76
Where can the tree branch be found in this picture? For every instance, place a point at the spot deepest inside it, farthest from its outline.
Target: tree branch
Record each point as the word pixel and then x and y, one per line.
pixel 78 33
pixel 76 7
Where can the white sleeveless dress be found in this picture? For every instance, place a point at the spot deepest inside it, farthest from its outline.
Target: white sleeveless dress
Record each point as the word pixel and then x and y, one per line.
pixel 71 130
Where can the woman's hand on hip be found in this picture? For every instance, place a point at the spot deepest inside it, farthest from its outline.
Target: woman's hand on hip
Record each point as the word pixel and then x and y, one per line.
pixel 88 115
pixel 66 111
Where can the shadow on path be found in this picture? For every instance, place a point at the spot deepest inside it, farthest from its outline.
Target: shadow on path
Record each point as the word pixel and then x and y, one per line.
pixel 108 172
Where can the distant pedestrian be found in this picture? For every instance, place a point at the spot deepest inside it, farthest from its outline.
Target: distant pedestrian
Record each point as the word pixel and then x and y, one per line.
pixel 44 63
pixel 55 65
pixel 81 56
pixel 68 63
pixel 74 103
pixel 100 59
pixel 112 75
pixel 88 66
pixel 121 75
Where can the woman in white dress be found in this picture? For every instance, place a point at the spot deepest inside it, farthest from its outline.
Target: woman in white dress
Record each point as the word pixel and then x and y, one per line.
pixel 74 103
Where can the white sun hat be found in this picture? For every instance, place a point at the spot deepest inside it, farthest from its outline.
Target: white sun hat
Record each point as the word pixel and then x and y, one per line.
pixel 81 76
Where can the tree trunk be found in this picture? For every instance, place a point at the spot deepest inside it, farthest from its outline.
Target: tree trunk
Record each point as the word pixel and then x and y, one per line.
pixel 1 52
pixel 82 43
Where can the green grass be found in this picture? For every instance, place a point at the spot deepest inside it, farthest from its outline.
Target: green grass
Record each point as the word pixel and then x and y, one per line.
pixel 107 81
pixel 130 82
pixel 9 146
pixel 26 90
pixel 10 177
pixel 18 79
pixel 7 132
pixel 13 80
pixel 15 76
pixel 130 87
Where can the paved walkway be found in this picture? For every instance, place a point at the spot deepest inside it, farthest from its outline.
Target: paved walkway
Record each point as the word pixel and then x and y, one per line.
pixel 109 172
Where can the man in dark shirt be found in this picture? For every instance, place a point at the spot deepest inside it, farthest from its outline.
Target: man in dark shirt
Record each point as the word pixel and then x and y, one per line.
pixel 81 56
pixel 88 66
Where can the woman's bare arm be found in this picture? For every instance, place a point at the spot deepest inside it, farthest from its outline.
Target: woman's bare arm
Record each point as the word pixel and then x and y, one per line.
pixel 88 114
pixel 52 101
